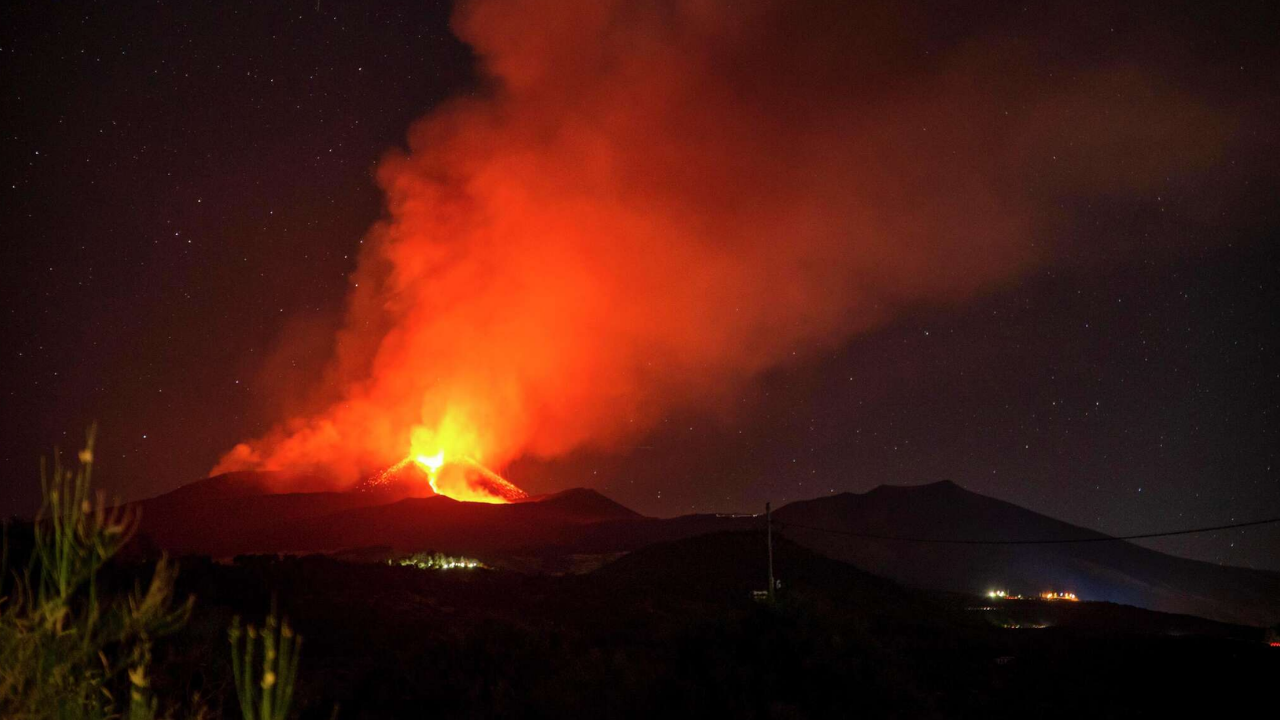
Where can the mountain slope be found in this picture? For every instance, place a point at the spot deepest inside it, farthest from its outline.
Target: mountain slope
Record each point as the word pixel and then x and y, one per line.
pixel 447 525
pixel 235 513
pixel 1113 571
pixel 728 566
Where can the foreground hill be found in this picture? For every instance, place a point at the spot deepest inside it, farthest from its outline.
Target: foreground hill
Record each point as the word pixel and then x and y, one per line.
pixel 725 567
pixel 231 515
pixel 729 566
pixel 670 630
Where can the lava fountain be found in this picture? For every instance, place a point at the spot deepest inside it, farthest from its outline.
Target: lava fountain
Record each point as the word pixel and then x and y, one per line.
pixel 459 478
pixel 450 457
pixel 465 479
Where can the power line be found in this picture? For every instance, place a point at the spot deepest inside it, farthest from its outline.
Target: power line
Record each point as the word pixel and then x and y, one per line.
pixel 1055 541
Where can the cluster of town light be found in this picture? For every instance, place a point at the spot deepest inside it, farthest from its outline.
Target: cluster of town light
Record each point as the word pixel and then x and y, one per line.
pixel 437 561
pixel 1048 595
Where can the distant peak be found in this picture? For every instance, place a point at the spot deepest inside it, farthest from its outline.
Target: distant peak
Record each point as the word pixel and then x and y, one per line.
pixel 587 503
pixel 937 485
pixel 226 485
pixel 579 492
pixel 436 499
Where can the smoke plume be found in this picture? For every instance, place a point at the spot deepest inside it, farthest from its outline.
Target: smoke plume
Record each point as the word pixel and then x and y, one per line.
pixel 648 203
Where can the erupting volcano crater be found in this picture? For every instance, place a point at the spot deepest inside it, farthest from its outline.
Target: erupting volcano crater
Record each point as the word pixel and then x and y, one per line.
pixel 460 478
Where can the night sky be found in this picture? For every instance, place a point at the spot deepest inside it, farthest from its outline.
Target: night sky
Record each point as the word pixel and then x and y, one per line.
pixel 186 189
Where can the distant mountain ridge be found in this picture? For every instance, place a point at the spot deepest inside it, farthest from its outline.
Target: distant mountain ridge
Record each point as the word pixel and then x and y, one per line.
pixel 1116 571
pixel 236 514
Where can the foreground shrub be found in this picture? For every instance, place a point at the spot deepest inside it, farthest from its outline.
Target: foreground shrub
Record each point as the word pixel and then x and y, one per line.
pixel 64 651
pixel 266 695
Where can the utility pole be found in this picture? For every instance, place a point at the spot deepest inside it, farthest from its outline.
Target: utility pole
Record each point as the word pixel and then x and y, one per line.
pixel 768 517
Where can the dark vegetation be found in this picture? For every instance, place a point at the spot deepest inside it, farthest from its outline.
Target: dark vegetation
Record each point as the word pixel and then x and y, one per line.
pixel 668 630
pixel 671 631
pixel 77 644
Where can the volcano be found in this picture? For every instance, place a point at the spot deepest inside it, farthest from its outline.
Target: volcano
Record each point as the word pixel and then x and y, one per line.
pixel 235 514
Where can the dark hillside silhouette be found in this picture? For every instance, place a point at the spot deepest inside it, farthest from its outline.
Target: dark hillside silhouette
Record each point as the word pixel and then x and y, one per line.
pixel 579 529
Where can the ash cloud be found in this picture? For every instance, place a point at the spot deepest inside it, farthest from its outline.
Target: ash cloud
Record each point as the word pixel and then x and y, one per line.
pixel 651 202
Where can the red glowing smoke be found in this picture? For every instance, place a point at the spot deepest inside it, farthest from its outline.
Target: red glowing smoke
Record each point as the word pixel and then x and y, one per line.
pixel 651 202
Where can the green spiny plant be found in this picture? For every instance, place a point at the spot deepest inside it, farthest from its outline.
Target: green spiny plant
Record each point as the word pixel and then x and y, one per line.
pixel 64 652
pixel 266 696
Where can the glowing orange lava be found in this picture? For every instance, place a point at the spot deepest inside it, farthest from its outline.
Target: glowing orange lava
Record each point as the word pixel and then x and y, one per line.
pixel 448 457
pixel 467 480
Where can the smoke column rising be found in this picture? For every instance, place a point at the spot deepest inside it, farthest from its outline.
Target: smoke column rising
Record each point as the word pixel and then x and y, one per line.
pixel 651 202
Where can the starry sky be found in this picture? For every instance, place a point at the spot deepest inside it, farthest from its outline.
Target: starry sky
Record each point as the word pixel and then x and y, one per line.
pixel 186 189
